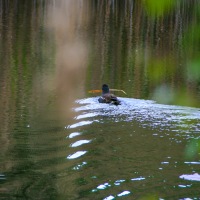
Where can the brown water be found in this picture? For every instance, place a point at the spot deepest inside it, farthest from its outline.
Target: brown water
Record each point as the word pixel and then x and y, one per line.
pixel 57 141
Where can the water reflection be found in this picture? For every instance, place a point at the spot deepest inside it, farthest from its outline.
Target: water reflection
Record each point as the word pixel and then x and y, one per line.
pixel 80 124
pixel 87 115
pixel 79 166
pixel 76 155
pixel 2 177
pixel 191 177
pixel 109 198
pixel 124 193
pixel 80 142
pixel 74 134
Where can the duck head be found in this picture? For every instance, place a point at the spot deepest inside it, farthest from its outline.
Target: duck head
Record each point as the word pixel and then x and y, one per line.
pixel 105 89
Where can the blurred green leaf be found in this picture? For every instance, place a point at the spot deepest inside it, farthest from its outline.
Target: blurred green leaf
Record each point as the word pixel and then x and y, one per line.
pixel 156 70
pixel 192 149
pixel 191 40
pixel 167 95
pixel 193 69
pixel 158 7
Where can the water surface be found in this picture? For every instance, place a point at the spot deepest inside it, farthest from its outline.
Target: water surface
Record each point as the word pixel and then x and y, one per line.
pixel 135 149
pixel 57 141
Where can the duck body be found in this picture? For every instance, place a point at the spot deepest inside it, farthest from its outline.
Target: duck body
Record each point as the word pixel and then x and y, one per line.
pixel 107 97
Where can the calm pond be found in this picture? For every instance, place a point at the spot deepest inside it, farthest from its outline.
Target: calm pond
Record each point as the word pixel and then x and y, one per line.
pixel 57 141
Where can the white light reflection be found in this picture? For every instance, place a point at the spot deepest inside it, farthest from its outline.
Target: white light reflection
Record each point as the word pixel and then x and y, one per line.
pixel 2 177
pixel 109 197
pixel 184 186
pixel 76 155
pixel 82 123
pixel 193 163
pixel 190 177
pixel 103 186
pixel 87 115
pixel 124 193
pixel 79 166
pixel 80 142
pixel 74 134
pixel 118 182
pixel 188 199
pixel 138 179
pixel 164 162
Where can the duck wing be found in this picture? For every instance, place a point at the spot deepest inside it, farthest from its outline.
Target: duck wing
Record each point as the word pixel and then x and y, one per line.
pixel 114 100
pixel 109 98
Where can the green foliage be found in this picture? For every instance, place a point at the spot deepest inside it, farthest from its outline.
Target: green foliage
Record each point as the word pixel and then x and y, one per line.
pixel 158 8
pixel 193 69
pixel 191 40
pixel 192 149
pixel 156 69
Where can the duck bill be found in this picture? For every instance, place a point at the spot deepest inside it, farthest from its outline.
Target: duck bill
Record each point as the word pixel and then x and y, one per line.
pixel 94 91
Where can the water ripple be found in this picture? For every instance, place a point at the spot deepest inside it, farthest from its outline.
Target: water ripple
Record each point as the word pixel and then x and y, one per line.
pixel 82 123
pixel 193 163
pixel 80 142
pixel 87 115
pixel 74 134
pixel 76 155
pixel 191 177
pixel 116 183
pixel 109 198
pixel 124 193
pixel 79 166
pixel 149 113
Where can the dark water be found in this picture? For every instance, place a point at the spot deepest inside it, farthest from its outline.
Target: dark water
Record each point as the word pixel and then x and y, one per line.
pixel 58 142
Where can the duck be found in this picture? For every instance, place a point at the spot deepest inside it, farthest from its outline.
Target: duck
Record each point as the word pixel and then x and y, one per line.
pixel 107 97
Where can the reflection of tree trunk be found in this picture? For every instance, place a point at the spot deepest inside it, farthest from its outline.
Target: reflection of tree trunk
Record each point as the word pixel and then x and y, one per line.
pixel 21 26
pixel 128 29
pixel 7 113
